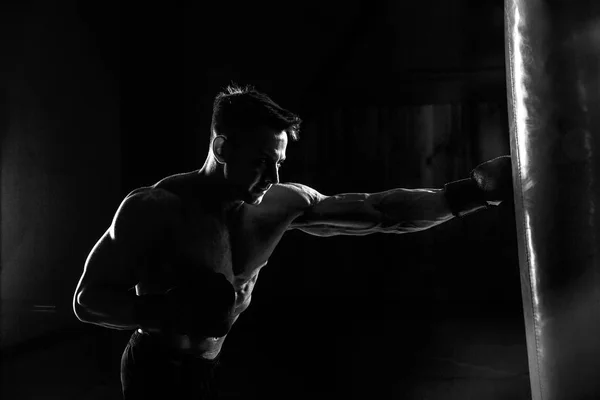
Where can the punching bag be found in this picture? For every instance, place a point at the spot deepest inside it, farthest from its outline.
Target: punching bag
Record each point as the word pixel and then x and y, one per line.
pixel 553 87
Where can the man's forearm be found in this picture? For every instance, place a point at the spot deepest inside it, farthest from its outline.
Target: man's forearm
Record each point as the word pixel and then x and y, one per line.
pixel 410 210
pixel 110 309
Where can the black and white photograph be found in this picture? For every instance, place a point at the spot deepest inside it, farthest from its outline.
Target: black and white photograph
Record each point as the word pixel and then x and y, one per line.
pixel 372 200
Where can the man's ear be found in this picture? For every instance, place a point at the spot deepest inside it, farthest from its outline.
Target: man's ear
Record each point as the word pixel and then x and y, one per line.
pixel 219 148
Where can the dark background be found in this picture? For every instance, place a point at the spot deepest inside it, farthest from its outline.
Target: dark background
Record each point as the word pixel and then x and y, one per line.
pixel 99 99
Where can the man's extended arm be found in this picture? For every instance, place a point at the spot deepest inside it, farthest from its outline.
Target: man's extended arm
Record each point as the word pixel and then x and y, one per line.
pixel 392 211
pixel 404 210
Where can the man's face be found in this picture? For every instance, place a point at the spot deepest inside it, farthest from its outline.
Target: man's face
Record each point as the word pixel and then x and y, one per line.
pixel 254 164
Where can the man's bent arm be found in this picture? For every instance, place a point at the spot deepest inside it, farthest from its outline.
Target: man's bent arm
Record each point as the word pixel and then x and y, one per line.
pixel 117 310
pixel 104 295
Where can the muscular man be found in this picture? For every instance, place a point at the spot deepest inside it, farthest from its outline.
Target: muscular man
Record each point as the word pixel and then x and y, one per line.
pixel 180 260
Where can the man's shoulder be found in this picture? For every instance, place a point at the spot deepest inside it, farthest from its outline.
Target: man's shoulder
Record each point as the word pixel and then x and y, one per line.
pixel 150 197
pixel 169 191
pixel 147 205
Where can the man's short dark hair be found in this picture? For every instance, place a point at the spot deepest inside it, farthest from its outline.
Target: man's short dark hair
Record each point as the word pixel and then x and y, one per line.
pixel 239 110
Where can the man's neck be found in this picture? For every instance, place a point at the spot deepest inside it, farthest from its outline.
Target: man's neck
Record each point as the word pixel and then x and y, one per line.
pixel 220 190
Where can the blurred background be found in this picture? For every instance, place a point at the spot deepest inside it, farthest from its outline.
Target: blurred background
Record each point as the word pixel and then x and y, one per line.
pixel 101 98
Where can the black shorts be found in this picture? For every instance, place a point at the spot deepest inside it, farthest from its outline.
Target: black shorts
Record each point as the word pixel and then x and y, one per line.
pixel 150 370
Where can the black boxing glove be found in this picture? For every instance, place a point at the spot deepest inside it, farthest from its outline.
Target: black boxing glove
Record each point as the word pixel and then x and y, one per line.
pixel 489 182
pixel 203 306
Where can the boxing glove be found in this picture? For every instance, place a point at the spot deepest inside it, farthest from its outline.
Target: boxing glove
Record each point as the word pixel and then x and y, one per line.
pixel 202 304
pixel 489 183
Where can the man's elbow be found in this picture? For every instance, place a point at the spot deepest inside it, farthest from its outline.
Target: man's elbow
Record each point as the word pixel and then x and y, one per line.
pixel 80 310
pixel 80 313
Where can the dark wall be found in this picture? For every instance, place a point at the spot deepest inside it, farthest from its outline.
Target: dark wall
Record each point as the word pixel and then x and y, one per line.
pixel 60 160
pixel 312 58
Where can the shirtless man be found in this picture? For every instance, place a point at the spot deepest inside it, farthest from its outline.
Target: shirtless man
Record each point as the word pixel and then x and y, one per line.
pixel 180 260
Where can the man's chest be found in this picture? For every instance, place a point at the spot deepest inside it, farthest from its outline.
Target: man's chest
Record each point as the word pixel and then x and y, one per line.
pixel 236 245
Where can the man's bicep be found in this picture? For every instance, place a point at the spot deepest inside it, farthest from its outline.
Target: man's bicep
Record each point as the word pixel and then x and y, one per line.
pixel 342 214
pixel 107 266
